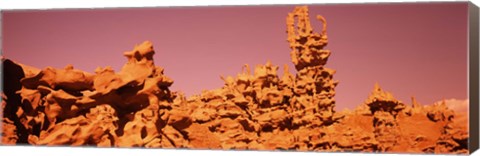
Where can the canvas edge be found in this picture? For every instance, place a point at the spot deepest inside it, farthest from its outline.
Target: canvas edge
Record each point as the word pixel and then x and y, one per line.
pixel 1 69
pixel 473 47
pixel 260 4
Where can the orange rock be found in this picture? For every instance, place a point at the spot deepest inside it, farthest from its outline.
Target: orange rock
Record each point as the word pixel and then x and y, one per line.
pixel 202 138
pixel 9 132
pixel 261 111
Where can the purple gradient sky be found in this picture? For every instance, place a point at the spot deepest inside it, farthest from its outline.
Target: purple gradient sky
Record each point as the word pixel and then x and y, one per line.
pixel 410 49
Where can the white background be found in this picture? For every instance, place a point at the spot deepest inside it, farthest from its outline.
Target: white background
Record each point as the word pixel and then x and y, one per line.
pixel 62 151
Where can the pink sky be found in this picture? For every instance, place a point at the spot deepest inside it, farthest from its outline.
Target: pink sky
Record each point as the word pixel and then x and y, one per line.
pixel 415 49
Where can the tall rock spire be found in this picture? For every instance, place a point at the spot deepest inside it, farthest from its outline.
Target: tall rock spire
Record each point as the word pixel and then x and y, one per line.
pixel 314 86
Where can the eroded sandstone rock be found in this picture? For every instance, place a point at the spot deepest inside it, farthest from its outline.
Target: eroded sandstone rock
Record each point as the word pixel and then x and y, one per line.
pixel 263 110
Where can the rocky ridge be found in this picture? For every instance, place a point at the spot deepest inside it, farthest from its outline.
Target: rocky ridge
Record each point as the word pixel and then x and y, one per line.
pixel 257 111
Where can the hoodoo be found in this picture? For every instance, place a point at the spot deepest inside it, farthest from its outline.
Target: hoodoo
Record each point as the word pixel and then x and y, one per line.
pixel 134 107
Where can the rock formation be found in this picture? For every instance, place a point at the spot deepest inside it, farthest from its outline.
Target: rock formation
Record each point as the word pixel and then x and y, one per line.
pixel 257 111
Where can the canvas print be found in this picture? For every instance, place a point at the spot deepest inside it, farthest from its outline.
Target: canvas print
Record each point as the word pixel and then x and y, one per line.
pixel 375 78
